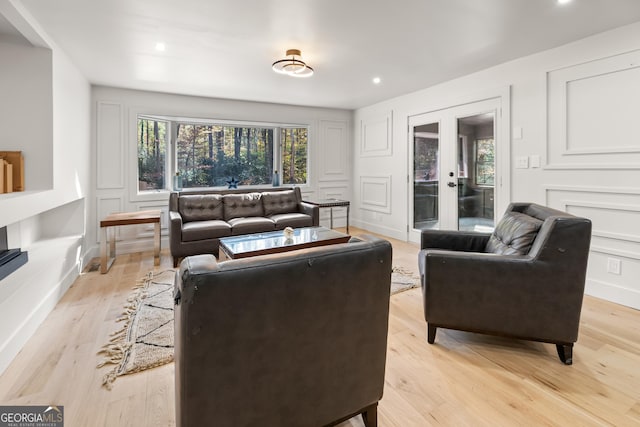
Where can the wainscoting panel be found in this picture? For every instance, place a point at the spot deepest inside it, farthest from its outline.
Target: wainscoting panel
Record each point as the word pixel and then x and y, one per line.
pixel 110 146
pixel 334 192
pixel 339 213
pixel 615 217
pixel 375 192
pixel 106 205
pixel 591 111
pixel 334 151
pixel 146 230
pixel 376 136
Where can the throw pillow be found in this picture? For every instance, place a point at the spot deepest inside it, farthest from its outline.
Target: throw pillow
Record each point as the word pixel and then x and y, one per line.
pixel 514 234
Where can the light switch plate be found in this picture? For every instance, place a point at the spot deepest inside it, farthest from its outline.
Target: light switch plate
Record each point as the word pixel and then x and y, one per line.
pixel 522 162
pixel 535 161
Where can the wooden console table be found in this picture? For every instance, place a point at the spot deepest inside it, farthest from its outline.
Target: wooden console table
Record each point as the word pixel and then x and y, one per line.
pixel 126 218
pixel 331 203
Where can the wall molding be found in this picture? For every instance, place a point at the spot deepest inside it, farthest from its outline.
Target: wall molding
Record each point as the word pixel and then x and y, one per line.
pixel 566 90
pixel 104 206
pixel 376 135
pixel 375 193
pixel 333 158
pixel 592 166
pixel 609 208
pixel 110 147
pixel 616 252
pixel 592 189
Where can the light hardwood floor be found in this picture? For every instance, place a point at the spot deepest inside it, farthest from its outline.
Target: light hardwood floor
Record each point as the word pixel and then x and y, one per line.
pixel 462 380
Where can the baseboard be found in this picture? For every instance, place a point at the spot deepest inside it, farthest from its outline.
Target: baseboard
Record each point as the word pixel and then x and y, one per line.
pixel 379 229
pixel 12 346
pixel 133 246
pixel 614 293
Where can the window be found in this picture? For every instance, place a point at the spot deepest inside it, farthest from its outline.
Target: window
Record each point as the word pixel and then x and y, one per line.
pixel 211 154
pixel 152 152
pixel 294 155
pixel 485 161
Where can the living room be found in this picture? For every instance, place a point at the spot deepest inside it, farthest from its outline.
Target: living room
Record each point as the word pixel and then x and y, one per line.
pixel 79 141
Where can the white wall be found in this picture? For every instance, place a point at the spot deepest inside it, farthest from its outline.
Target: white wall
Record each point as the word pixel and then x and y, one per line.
pixel 26 109
pixel 114 155
pixel 576 106
pixel 47 116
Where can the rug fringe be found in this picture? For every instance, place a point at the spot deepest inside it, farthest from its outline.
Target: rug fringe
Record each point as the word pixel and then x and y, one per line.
pixel 115 350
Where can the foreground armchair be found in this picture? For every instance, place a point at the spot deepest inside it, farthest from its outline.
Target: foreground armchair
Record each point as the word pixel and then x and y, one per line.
pixel 291 339
pixel 526 280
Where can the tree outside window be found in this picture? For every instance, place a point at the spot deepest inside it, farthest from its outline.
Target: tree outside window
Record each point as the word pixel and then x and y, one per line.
pixel 485 162
pixel 294 155
pixel 209 154
pixel 152 151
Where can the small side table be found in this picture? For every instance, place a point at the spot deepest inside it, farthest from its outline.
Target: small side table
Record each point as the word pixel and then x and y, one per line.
pixel 331 203
pixel 126 218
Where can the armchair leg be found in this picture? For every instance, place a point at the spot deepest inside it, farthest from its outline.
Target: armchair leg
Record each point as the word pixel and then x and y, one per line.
pixel 175 261
pixel 565 352
pixel 370 416
pixel 431 333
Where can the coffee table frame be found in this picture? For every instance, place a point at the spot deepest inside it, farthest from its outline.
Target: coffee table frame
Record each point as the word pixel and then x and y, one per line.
pixel 249 245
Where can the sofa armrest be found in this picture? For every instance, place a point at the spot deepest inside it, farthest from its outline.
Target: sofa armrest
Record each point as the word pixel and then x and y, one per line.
pixel 467 241
pixel 311 210
pixel 175 229
pixel 191 267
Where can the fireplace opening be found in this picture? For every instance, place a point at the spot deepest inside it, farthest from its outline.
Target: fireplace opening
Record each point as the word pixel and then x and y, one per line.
pixel 10 259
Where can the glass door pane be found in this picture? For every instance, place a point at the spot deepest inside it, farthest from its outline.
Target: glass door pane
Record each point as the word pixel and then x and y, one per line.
pixel 476 172
pixel 426 155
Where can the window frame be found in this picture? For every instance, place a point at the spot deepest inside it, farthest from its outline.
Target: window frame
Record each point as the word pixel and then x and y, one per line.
pixel 171 160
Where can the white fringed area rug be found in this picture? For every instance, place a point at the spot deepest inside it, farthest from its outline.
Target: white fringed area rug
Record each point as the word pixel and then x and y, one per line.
pixel 146 339
pixel 403 280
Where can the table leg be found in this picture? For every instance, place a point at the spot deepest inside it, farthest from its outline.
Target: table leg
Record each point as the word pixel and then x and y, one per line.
pixel 331 217
pixel 156 244
pixel 347 219
pixel 103 250
pixel 112 242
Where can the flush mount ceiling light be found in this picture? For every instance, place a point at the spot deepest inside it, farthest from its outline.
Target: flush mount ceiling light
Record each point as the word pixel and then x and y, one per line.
pixel 293 65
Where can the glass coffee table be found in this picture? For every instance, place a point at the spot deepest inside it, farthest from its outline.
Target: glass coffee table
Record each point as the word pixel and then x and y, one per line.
pixel 272 242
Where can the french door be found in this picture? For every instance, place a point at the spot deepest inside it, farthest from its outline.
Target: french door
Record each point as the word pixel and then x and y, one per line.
pixel 453 169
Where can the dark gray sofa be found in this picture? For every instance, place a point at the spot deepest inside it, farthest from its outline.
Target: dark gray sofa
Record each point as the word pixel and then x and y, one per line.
pixel 199 218
pixel 526 280
pixel 290 339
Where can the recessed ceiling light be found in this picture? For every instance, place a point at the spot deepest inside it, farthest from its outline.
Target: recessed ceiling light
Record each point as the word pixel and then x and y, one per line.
pixel 160 47
pixel 376 80
pixel 564 1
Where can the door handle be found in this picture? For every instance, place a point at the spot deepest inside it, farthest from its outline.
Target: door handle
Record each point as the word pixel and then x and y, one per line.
pixel 451 184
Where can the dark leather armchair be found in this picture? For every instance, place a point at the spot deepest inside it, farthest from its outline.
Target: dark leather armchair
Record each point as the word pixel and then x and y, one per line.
pixel 526 280
pixel 290 339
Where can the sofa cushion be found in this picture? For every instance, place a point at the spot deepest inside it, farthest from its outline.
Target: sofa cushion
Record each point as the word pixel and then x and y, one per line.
pixel 202 230
pixel 279 202
pixel 198 207
pixel 242 205
pixel 295 220
pixel 514 234
pixel 255 224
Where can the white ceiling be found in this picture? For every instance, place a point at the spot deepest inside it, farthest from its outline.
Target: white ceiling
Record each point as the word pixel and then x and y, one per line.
pixel 223 48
